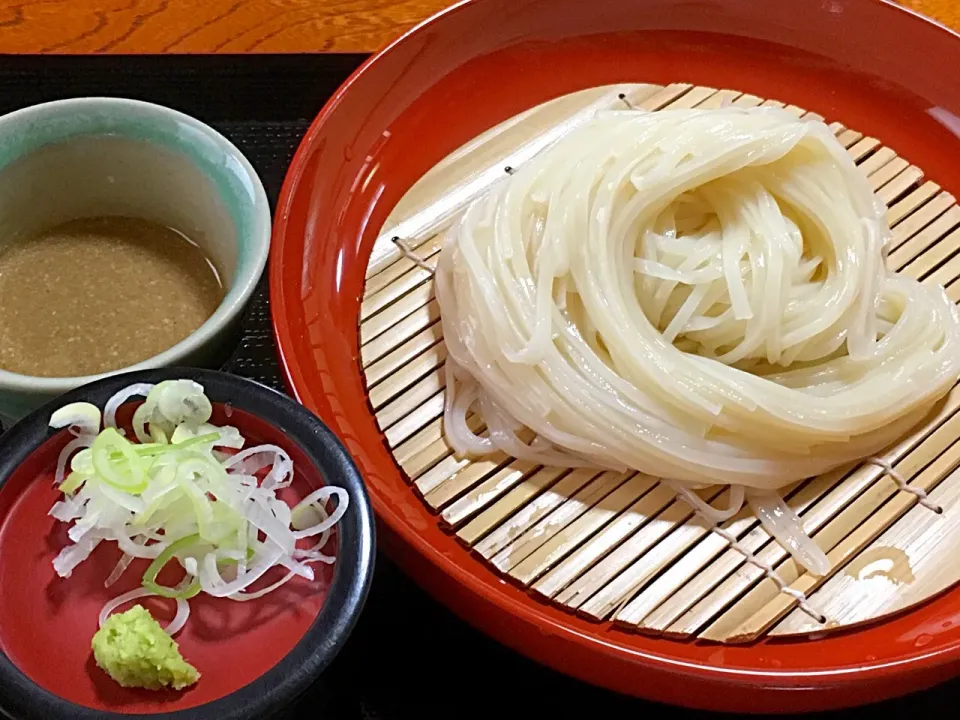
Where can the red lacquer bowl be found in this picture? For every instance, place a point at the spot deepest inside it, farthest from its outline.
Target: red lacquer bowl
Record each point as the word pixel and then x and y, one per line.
pixel 254 657
pixel 870 64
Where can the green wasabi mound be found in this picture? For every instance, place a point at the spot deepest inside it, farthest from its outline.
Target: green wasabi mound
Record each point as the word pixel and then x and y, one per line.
pixel 134 650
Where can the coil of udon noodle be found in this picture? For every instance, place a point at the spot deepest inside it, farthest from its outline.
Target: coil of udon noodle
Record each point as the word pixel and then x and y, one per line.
pixel 700 295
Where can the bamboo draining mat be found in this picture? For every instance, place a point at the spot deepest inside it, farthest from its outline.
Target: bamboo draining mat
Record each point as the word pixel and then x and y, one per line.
pixel 621 547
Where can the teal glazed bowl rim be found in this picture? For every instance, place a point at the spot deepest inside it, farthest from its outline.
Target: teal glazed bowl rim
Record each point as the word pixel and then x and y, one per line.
pixel 27 130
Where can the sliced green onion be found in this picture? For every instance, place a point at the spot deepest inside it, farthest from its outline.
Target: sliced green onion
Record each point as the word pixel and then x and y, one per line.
pixel 73 482
pixel 174 486
pixel 251 553
pixel 81 415
pixel 153 449
pixel 225 519
pixel 127 474
pixel 150 576
pixel 82 462
pixel 163 478
pixel 141 418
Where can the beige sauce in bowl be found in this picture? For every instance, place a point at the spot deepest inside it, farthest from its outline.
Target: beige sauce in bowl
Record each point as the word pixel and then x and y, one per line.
pixel 99 294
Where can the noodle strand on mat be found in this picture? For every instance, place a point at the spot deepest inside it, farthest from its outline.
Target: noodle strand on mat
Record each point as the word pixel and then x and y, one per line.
pixel 700 295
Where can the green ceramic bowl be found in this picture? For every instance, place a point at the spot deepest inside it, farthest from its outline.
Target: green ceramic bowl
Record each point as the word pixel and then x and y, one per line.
pixel 108 156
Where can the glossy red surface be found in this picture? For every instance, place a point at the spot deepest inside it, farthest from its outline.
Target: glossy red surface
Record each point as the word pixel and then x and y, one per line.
pixel 231 643
pixel 869 64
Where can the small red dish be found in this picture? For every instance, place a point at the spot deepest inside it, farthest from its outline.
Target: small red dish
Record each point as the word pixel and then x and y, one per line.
pixel 254 657
pixel 867 63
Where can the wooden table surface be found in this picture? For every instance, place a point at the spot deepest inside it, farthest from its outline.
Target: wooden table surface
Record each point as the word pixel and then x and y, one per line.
pixel 231 26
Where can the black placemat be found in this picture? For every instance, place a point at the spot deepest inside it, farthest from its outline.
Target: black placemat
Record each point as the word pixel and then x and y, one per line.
pixel 409 657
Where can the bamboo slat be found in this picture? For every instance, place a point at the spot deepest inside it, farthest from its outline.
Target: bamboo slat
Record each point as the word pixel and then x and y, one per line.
pixel 622 548
pixel 882 579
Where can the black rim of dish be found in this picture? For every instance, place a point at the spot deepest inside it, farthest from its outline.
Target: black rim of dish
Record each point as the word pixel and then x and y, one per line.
pixel 284 682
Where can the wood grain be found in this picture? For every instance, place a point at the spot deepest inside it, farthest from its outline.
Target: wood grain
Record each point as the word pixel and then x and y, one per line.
pixel 206 26
pixel 944 11
pixel 238 26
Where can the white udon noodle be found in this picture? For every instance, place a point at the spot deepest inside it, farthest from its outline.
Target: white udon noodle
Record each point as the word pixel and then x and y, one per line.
pixel 699 295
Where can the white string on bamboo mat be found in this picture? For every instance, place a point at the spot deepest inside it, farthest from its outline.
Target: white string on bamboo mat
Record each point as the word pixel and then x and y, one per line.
pixel 904 486
pixel 767 568
pixel 410 254
pixel 731 539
